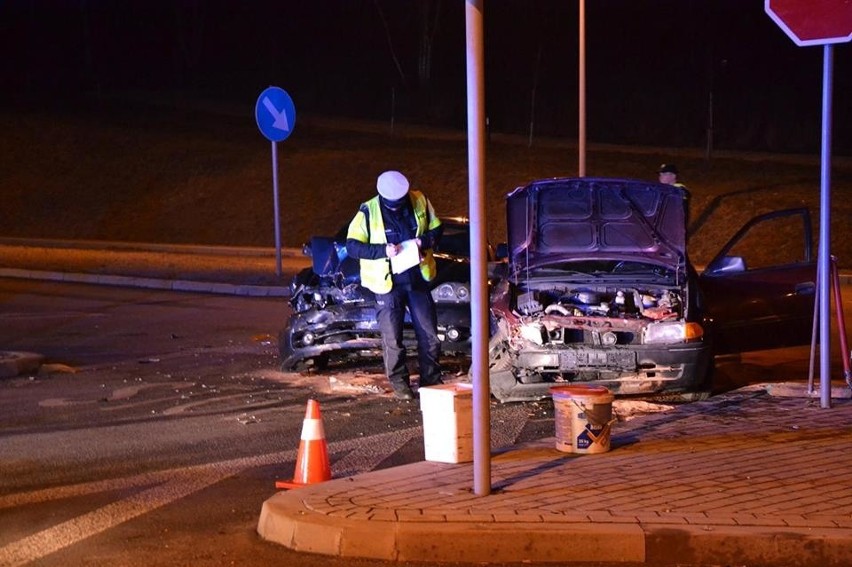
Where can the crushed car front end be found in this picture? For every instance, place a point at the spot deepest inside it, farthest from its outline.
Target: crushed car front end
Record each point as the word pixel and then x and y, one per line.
pixel 333 316
pixel 582 334
pixel 598 291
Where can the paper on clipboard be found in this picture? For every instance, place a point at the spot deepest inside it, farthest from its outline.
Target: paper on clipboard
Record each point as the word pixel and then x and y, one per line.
pixel 408 257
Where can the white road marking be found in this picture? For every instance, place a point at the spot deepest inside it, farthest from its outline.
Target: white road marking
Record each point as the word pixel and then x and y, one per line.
pixel 167 487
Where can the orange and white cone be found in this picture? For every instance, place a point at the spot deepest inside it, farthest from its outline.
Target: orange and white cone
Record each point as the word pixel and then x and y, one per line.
pixel 312 461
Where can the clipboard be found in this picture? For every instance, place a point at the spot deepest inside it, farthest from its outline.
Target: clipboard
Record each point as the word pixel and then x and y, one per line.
pixel 408 257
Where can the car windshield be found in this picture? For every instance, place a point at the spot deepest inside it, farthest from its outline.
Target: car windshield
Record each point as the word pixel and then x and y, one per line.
pixel 455 241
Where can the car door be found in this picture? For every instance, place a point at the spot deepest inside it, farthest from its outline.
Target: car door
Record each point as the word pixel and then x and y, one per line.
pixel 759 290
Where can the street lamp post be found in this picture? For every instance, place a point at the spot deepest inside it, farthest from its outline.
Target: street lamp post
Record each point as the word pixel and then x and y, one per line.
pixel 581 136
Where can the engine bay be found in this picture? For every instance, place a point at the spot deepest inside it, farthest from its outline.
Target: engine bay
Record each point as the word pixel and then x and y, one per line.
pixel 647 303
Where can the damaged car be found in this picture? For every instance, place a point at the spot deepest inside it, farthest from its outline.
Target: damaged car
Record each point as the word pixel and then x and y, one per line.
pixel 335 318
pixel 599 290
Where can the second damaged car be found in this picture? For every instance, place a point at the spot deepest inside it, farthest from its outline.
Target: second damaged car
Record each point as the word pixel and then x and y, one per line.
pixel 335 318
pixel 599 290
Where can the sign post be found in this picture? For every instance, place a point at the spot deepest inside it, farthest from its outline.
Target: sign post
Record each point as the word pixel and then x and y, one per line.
pixel 275 114
pixel 819 22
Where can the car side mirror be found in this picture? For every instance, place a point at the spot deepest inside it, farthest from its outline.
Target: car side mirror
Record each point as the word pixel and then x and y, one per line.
pixel 727 265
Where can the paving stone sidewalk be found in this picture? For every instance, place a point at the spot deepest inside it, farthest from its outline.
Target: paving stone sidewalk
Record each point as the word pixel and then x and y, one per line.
pixel 745 478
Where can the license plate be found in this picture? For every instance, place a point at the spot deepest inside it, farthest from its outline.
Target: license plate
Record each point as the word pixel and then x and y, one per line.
pixel 589 358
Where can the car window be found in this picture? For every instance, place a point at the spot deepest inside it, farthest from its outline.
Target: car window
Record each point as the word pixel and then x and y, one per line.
pixel 774 242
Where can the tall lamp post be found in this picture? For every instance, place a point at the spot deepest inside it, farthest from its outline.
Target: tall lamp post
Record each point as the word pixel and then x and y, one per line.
pixel 478 261
pixel 581 136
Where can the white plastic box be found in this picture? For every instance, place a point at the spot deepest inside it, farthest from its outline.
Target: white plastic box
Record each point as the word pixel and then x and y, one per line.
pixel 447 422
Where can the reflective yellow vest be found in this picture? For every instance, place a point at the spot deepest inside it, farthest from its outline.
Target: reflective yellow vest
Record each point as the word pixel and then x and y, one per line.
pixel 376 274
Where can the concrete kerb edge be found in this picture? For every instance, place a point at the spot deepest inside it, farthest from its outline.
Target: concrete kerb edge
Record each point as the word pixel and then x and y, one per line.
pixel 149 283
pixel 286 519
pixel 14 363
pixel 213 250
pixel 748 545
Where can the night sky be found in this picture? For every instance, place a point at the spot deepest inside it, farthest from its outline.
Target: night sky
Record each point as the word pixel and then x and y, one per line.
pixel 652 65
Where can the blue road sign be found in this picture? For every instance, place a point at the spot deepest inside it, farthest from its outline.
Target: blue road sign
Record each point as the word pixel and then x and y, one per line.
pixel 275 114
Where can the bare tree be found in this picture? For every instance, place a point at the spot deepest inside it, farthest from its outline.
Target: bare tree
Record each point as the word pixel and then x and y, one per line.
pixel 427 18
pixel 390 41
pixel 429 12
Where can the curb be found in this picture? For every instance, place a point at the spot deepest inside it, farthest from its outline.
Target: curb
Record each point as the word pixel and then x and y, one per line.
pixel 214 250
pixel 149 283
pixel 14 363
pixel 287 521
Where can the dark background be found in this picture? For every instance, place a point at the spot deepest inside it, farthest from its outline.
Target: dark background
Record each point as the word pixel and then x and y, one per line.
pixel 651 65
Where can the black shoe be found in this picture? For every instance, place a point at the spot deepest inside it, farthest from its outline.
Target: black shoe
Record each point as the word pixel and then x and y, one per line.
pixel 436 382
pixel 403 392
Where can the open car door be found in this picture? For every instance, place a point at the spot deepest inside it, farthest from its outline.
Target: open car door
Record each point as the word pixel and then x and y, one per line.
pixel 762 297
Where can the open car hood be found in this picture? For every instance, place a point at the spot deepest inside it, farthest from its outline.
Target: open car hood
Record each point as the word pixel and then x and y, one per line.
pixel 563 219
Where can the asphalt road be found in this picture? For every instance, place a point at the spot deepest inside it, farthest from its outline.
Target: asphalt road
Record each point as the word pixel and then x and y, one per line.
pixel 159 424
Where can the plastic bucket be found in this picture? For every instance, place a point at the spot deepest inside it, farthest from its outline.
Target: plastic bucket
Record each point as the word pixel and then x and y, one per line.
pixel 583 418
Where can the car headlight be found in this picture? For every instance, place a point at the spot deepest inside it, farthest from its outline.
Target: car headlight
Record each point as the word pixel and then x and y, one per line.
pixel 451 292
pixel 672 332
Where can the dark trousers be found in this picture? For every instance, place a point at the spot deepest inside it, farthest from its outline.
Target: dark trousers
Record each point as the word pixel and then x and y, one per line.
pixel 391 315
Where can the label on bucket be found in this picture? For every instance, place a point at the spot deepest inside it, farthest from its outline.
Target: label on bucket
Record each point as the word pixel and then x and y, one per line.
pixel 584 440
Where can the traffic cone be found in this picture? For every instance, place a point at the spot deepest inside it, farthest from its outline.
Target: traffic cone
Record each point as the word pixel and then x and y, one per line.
pixel 312 461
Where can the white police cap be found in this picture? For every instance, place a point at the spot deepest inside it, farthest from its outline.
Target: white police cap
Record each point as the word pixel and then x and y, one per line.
pixel 392 185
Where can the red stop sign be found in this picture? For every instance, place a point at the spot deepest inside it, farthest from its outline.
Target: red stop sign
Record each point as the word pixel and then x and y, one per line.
pixel 813 22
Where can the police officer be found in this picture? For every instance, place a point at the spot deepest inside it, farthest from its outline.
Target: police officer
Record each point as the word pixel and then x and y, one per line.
pixel 667 173
pixel 376 234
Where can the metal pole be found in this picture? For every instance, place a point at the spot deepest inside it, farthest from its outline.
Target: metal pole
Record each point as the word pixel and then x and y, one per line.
pixel 275 206
pixel 478 260
pixel 814 337
pixel 824 230
pixel 581 136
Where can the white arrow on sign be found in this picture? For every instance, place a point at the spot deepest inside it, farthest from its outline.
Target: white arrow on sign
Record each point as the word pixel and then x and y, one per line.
pixel 280 117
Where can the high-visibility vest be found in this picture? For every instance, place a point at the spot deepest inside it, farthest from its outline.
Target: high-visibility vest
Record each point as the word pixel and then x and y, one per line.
pixel 368 226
